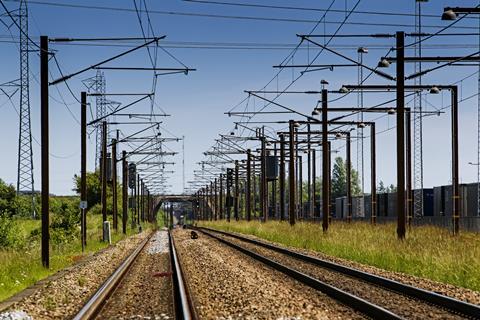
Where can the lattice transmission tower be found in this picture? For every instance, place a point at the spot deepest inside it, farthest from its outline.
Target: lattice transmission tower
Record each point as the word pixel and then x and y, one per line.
pixel 418 122
pixel 101 111
pixel 97 85
pixel 25 154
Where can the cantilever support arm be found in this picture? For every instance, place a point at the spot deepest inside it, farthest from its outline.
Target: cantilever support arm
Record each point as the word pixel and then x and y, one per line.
pixel 380 73
pixel 65 78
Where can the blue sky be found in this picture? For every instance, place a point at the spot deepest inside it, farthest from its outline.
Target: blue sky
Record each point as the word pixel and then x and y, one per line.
pixel 197 102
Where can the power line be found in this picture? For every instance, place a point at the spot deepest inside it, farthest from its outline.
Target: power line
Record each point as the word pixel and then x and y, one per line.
pixel 256 5
pixel 232 17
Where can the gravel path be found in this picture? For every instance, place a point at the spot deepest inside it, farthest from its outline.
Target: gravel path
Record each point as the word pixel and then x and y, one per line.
pixel 438 287
pixel 397 303
pixel 146 291
pixel 62 297
pixel 227 284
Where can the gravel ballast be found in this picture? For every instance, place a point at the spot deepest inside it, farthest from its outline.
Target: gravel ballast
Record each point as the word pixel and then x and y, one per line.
pixel 146 291
pixel 63 296
pixel 448 290
pixel 226 284
pixel 401 305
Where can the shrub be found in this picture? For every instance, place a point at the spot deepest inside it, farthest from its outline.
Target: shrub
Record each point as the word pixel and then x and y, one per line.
pixel 7 197
pixel 8 231
pixel 65 222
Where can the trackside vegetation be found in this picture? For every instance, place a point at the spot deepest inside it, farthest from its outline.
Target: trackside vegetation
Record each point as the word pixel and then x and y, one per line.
pixel 427 252
pixel 20 234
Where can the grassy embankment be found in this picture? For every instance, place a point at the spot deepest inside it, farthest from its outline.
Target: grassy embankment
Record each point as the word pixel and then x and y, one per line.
pixel 427 252
pixel 22 267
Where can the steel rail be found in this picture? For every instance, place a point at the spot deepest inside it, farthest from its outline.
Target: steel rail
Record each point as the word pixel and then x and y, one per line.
pixel 96 302
pixel 184 307
pixel 350 300
pixel 445 302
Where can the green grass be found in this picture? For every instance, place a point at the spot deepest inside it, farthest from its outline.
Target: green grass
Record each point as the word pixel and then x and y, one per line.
pixel 20 268
pixel 427 252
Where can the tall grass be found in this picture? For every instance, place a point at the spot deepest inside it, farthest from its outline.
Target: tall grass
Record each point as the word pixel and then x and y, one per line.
pixel 21 267
pixel 428 252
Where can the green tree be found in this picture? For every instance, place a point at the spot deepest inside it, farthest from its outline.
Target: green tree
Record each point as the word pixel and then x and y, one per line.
pixel 94 187
pixel 381 187
pixel 94 192
pixel 339 179
pixel 7 198
pixel 391 188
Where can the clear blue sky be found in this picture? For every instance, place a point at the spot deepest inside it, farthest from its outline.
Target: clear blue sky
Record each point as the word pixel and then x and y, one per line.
pixel 197 102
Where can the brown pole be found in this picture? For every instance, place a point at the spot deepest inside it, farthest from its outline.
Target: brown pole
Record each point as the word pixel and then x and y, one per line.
pixel 309 174
pixel 455 171
pixel 263 181
pixel 212 196
pixel 282 177
pixel 325 161
pixel 207 199
pixel 215 196
pixel 228 196
pixel 314 183
pixel 124 192
pixel 248 196
pixel 45 151
pixel 114 183
pixel 291 173
pixel 329 175
pixel 138 199
pixel 373 169
pixel 349 179
pixel 142 199
pixel 408 169
pixel 83 168
pixel 254 186
pixel 237 193
pixel 401 221
pixel 300 185
pixel 274 187
pixel 104 172
pixel 221 197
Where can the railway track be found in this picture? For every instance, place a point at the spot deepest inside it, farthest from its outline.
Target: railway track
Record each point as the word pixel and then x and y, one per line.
pixel 373 295
pixel 98 302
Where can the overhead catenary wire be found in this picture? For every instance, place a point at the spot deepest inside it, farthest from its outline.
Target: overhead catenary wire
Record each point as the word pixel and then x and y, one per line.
pixel 232 17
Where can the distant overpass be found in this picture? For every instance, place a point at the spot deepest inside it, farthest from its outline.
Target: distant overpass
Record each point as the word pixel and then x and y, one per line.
pixel 175 197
